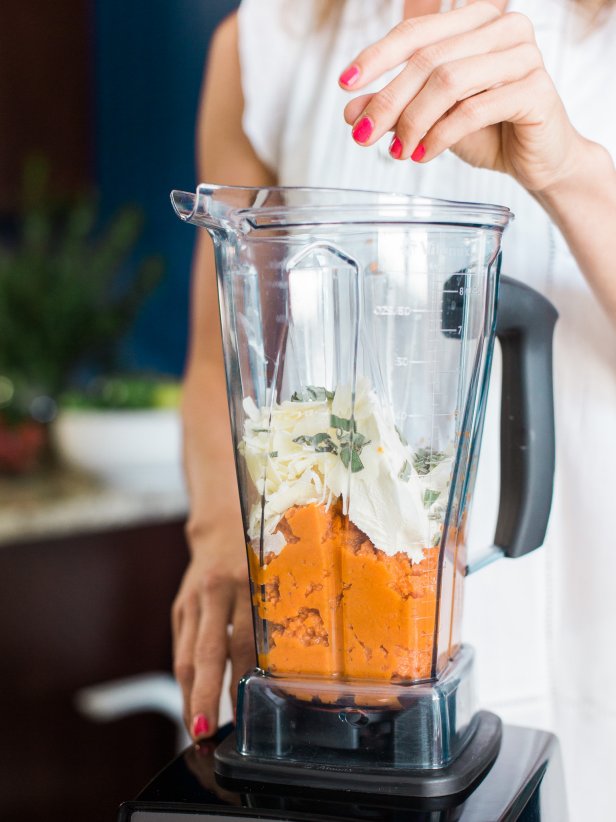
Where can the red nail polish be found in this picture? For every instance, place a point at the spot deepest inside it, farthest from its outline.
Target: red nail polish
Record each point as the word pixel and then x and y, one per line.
pixel 362 130
pixel 395 148
pixel 418 153
pixel 349 76
pixel 200 725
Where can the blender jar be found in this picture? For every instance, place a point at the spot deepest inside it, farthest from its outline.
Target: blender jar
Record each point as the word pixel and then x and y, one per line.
pixel 357 331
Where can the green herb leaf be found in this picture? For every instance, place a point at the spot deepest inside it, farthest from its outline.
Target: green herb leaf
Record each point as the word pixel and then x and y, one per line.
pixel 401 436
pixel 430 497
pixel 341 423
pixel 425 460
pixel 323 442
pixel 349 456
pixel 320 442
pixel 312 393
pixel 405 472
pixel 356 463
pixel 273 454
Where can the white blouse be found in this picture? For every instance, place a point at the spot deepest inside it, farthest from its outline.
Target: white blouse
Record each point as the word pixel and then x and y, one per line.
pixel 543 626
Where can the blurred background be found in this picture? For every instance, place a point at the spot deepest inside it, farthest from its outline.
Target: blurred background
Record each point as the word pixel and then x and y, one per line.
pixel 98 100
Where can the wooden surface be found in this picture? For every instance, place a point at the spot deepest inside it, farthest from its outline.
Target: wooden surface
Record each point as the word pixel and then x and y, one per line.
pixel 75 612
pixel 46 102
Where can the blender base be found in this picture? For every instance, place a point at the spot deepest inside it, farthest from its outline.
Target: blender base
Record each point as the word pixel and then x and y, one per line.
pixel 455 780
pixel 525 784
pixel 327 722
pixel 423 739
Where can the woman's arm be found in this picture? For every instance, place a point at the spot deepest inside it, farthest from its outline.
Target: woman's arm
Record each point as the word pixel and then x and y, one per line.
pixel 214 592
pixel 473 80
pixel 583 206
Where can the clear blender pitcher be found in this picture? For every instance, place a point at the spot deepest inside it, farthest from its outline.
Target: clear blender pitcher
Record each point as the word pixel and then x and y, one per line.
pixel 358 331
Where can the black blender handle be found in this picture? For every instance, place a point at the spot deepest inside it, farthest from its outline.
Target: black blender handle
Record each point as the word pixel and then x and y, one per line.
pixel 525 326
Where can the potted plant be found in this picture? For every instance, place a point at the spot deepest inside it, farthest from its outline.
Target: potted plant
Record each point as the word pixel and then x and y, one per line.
pixel 67 297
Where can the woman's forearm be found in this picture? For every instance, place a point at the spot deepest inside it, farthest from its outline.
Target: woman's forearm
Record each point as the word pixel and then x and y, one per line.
pixel 208 453
pixel 208 450
pixel 583 206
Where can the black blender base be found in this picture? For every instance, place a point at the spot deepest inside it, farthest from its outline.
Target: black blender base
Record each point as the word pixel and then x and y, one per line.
pixel 455 780
pixel 525 784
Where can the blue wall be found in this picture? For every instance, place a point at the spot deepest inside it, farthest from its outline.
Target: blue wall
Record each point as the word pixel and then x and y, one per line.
pixel 149 61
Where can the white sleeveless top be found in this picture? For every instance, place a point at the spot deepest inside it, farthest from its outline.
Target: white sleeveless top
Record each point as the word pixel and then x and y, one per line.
pixel 544 626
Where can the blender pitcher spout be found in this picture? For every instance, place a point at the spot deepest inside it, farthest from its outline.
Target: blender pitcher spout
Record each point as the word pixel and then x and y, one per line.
pixel 219 209
pixel 200 209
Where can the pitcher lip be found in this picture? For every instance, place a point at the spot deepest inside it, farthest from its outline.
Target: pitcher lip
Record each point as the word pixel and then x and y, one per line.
pixel 262 207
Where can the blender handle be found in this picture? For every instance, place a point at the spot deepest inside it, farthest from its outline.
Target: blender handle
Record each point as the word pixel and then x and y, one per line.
pixel 525 326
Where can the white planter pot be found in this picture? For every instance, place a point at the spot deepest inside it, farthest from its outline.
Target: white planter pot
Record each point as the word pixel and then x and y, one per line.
pixel 133 450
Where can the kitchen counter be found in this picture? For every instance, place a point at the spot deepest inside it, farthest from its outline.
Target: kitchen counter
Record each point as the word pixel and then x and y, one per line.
pixel 90 576
pixel 60 502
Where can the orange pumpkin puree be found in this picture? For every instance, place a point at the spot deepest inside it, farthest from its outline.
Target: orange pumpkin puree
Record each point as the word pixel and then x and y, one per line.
pixel 335 605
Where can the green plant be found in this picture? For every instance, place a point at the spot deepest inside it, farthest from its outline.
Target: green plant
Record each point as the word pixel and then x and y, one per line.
pixel 130 392
pixel 67 292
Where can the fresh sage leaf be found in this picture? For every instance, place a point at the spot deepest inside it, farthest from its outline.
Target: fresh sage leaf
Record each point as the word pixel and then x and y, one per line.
pixel 425 460
pixel 320 442
pixel 348 456
pixel 406 471
pixel 401 436
pixel 356 463
pixel 341 423
pixel 312 393
pixel 430 497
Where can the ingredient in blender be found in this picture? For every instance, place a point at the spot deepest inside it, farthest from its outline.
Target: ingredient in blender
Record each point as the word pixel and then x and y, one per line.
pixel 344 540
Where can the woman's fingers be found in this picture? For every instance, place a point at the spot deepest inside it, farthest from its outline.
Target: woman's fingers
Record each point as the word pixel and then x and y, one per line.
pixel 210 653
pixel 440 61
pixel 356 106
pixel 517 102
pixel 241 643
pixel 455 82
pixel 410 35
pixel 185 626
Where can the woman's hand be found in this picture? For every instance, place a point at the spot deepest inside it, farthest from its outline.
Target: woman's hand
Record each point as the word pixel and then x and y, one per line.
pixel 473 80
pixel 213 596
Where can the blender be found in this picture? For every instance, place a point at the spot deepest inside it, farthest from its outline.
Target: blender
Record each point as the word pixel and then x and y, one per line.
pixel 358 331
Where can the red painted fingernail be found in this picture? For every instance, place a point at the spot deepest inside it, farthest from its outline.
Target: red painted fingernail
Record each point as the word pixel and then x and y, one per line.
pixel 395 148
pixel 418 153
pixel 200 725
pixel 362 130
pixel 349 76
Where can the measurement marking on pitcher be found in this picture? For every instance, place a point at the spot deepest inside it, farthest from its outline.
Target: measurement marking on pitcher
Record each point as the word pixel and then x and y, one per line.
pixel 402 362
pixel 406 362
pixel 397 310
